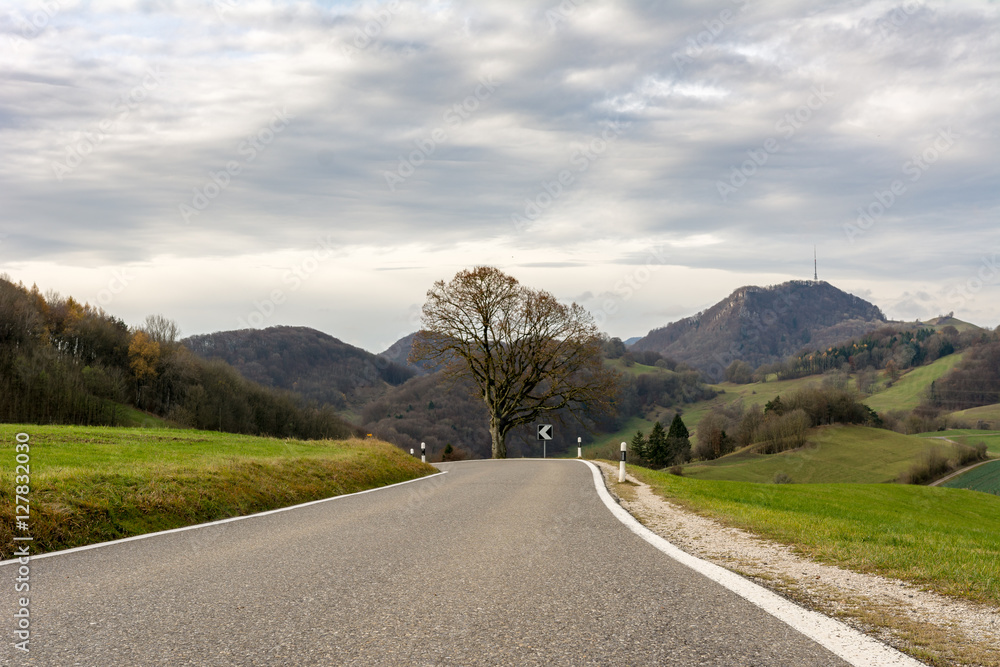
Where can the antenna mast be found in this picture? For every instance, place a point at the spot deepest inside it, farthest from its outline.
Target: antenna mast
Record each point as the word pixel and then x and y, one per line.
pixel 815 273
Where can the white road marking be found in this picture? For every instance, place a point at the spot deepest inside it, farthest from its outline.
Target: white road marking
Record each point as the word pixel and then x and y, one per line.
pixel 216 523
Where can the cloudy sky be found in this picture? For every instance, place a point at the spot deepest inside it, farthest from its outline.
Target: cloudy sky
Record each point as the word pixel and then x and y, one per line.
pixel 236 163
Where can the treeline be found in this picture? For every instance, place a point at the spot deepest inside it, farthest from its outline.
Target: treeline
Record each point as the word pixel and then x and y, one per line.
pixel 70 363
pixel 974 382
pixel 782 424
pixel 891 349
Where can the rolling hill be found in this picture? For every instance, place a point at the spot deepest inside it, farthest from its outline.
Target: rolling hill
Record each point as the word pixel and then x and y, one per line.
pixel 309 362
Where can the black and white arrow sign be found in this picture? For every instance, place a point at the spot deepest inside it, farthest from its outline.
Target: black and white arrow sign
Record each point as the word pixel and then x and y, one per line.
pixel 545 431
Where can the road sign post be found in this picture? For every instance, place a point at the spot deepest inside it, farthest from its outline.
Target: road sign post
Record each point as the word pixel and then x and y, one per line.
pixel 544 434
pixel 621 466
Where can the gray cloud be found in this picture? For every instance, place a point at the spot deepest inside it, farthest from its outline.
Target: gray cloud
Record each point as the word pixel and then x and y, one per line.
pixel 698 91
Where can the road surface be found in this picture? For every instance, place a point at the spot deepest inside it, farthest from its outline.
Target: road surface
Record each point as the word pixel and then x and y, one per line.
pixel 493 563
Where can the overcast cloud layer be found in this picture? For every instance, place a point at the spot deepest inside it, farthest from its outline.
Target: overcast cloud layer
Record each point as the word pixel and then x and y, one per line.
pixel 249 163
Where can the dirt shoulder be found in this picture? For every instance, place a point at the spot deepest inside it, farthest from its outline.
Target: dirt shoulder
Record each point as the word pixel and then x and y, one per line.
pixel 936 629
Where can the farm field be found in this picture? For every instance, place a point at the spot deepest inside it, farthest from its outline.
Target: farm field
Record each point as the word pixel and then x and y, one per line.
pixel 985 478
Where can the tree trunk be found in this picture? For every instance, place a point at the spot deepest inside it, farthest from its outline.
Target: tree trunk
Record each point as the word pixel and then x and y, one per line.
pixel 499 438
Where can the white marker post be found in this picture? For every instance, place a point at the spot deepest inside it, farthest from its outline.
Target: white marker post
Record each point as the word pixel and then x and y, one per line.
pixel 579 449
pixel 423 453
pixel 621 466
pixel 411 451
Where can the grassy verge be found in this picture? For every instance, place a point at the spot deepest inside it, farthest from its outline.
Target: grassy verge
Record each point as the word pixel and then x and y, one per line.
pixel 93 484
pixel 946 540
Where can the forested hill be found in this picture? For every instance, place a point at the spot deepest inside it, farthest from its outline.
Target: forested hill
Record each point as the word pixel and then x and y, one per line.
pixel 63 362
pixel 306 361
pixel 761 325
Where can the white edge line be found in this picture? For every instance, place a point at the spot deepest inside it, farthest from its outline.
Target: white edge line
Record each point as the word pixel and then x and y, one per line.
pixel 855 647
pixel 216 523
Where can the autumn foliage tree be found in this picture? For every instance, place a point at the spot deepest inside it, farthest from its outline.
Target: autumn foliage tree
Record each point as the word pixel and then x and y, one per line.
pixel 526 353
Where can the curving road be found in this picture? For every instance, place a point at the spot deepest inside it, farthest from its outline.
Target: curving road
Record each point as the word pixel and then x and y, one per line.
pixel 493 563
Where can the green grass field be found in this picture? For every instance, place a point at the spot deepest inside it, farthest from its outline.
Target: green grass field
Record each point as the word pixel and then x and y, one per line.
pixel 947 540
pixel 92 484
pixel 985 478
pixel 836 454
pixel 911 388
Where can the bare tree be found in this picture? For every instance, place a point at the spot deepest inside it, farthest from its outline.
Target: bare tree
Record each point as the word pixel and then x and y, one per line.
pixel 527 353
pixel 161 329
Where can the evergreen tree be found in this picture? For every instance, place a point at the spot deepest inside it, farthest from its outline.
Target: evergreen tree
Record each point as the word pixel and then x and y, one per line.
pixel 657 452
pixel 678 429
pixel 638 445
pixel 678 442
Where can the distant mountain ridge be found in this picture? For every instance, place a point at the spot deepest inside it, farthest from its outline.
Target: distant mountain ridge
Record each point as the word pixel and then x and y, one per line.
pixel 761 325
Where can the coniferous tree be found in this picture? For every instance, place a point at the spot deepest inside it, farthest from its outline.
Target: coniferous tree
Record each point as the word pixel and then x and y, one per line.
pixel 657 452
pixel 638 445
pixel 678 442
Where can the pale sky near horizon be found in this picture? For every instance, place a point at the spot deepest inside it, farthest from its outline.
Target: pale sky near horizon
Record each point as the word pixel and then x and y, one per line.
pixel 233 163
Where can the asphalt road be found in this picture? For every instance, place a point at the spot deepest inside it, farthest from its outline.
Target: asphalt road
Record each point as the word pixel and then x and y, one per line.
pixel 494 563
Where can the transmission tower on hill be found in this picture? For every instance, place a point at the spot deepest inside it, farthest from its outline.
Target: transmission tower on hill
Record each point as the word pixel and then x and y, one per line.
pixel 815 273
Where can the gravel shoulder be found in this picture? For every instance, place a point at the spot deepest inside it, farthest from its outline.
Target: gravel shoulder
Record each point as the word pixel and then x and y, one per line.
pixel 931 627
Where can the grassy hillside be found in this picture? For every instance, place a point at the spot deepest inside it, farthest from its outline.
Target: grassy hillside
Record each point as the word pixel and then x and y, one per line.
pixel 945 539
pixel 634 369
pixel 986 413
pixel 905 394
pixel 92 484
pixel 836 454
pixel 911 388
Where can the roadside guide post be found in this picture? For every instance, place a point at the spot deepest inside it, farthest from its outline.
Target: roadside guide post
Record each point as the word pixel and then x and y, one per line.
pixel 621 466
